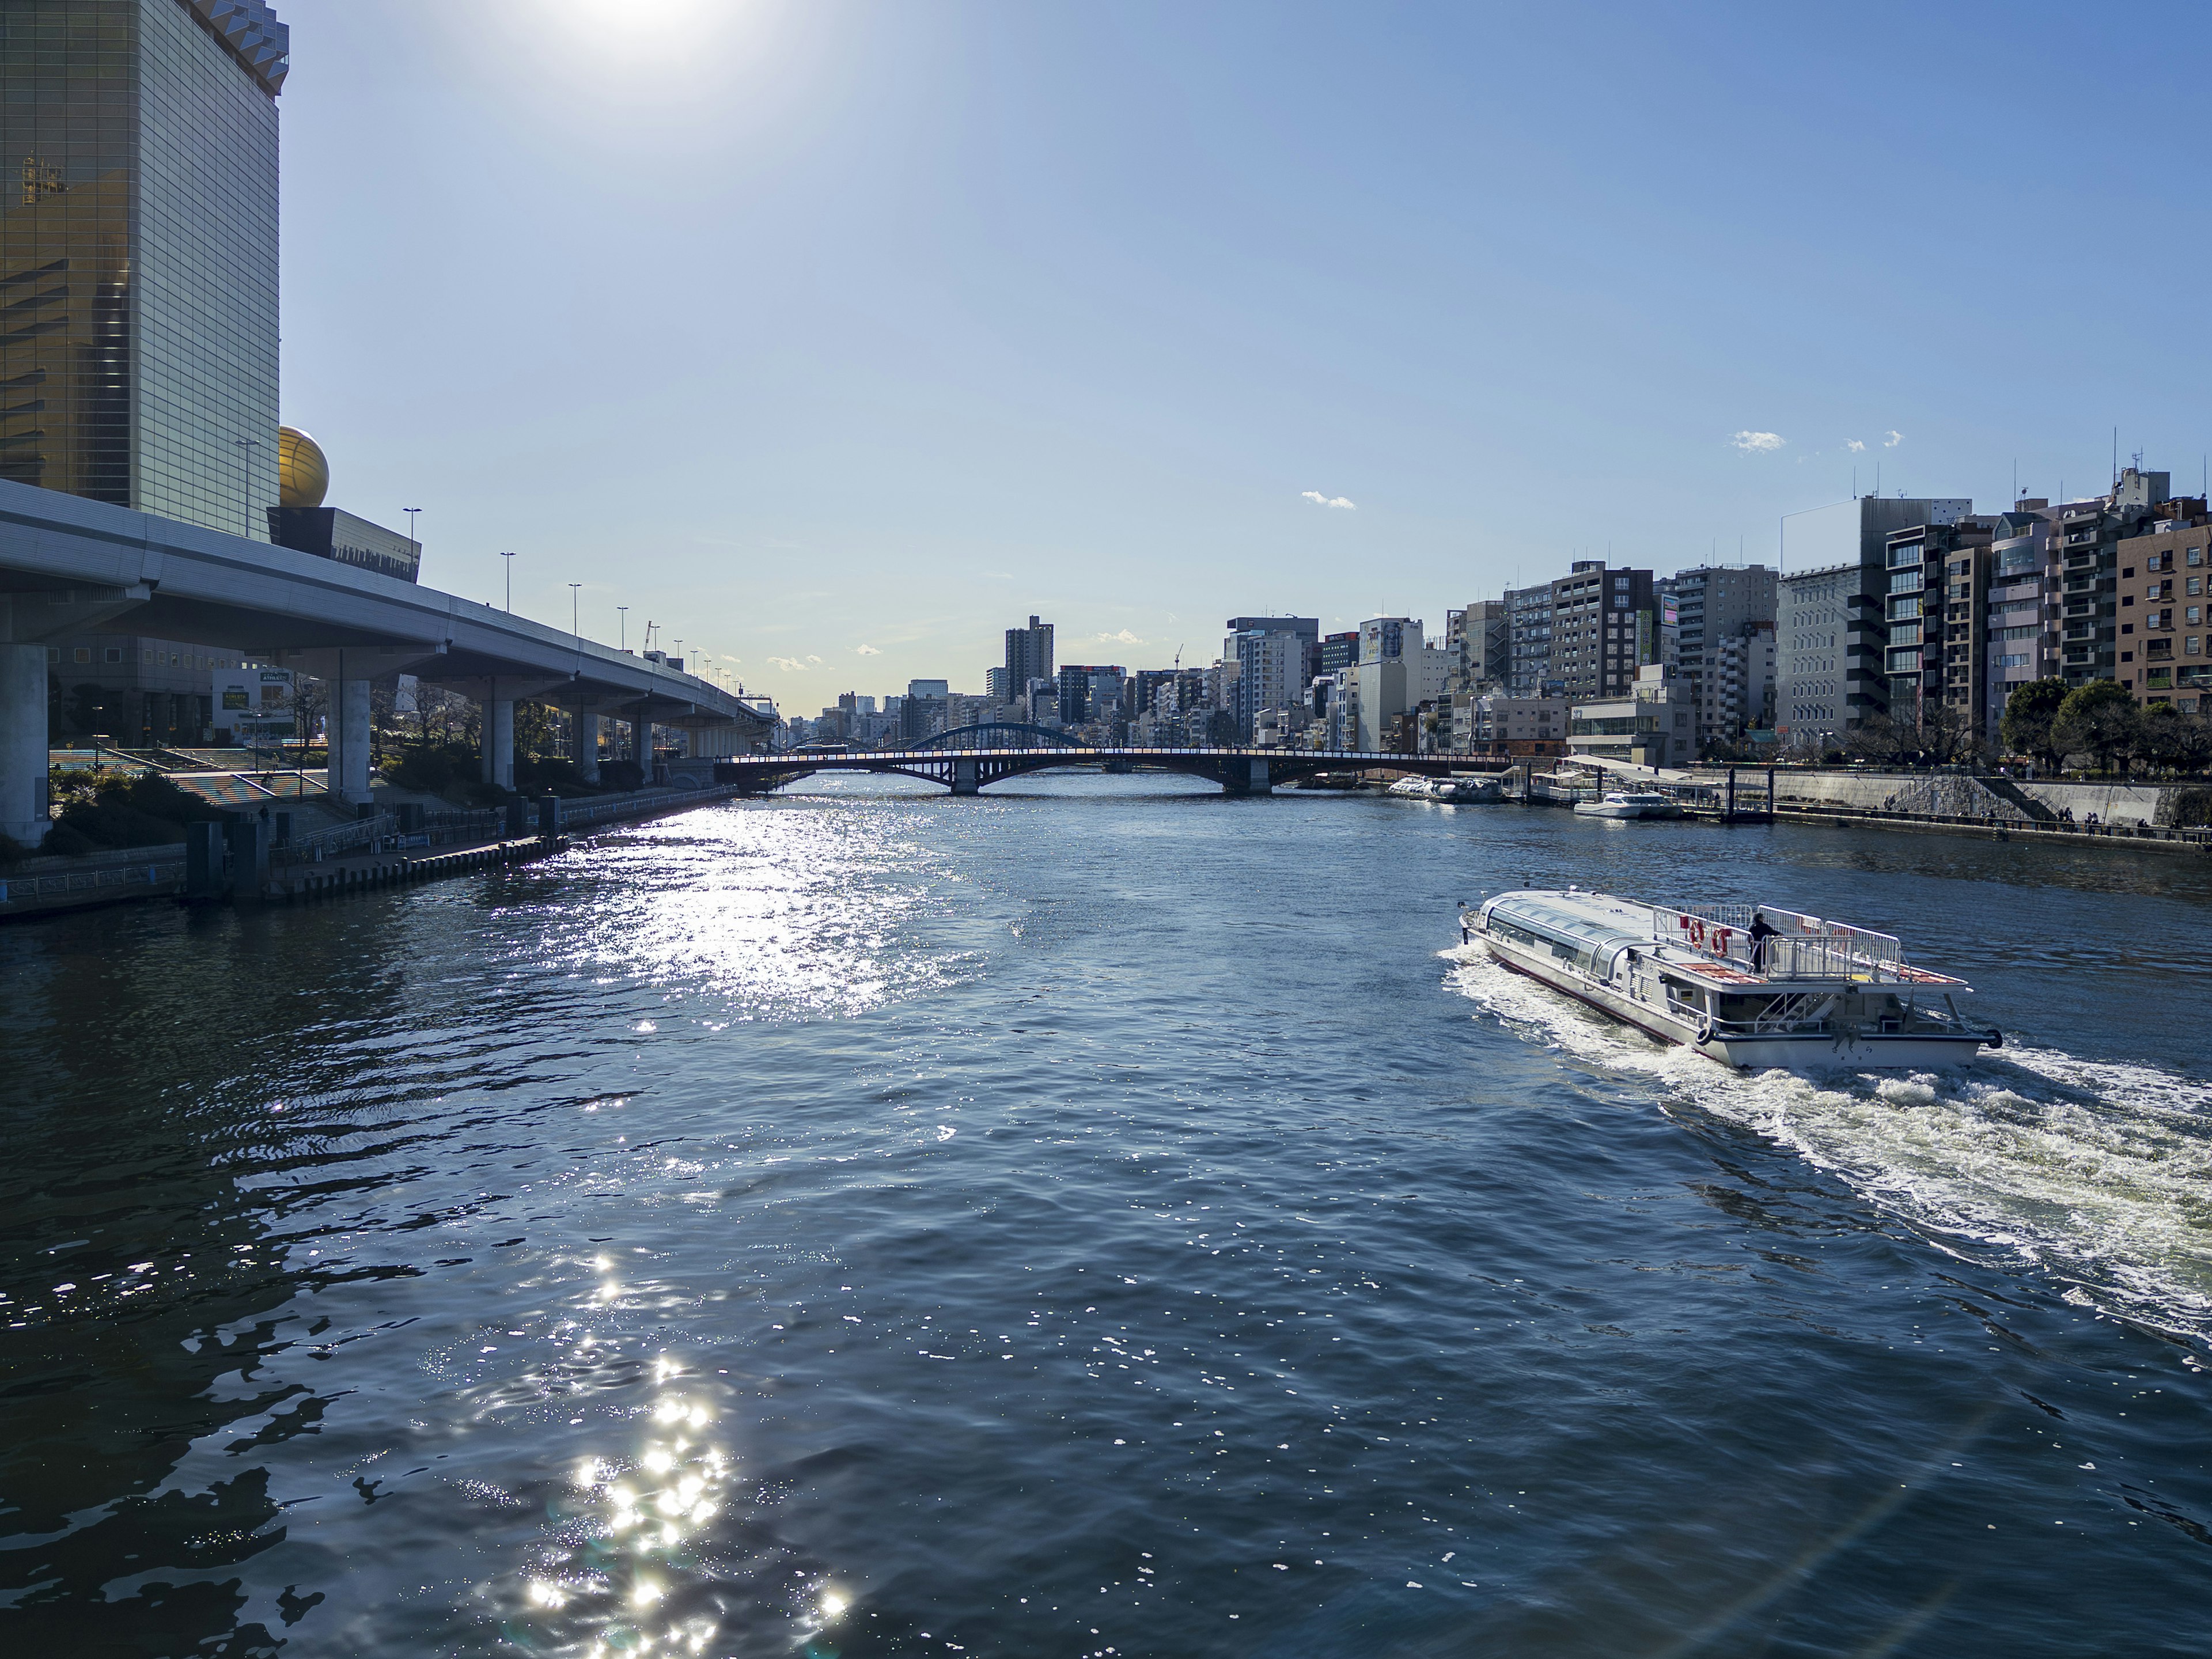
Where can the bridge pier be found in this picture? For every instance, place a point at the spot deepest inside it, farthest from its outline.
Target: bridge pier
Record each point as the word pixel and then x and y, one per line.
pixel 1247 774
pixel 23 744
pixel 587 746
pixel 964 780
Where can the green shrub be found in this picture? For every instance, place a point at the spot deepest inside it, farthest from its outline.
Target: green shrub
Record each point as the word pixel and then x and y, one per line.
pixel 101 810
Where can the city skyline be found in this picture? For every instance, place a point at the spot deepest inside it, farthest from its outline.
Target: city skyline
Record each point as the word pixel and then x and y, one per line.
pixel 1142 320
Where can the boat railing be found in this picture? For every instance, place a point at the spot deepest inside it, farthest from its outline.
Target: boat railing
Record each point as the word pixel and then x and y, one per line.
pixel 1801 947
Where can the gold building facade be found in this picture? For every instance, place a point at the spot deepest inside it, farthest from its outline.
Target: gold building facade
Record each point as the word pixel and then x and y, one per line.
pixel 139 254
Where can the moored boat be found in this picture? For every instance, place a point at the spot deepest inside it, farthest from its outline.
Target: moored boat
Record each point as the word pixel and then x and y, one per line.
pixel 1746 985
pixel 1630 804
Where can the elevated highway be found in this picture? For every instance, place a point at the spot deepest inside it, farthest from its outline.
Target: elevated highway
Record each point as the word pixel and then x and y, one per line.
pixel 70 567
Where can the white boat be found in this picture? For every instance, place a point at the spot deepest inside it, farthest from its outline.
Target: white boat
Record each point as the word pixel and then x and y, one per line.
pixel 1465 789
pixel 1457 790
pixel 1630 804
pixel 1812 993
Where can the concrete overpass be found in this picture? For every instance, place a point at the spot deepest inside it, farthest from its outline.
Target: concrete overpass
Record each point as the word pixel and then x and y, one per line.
pixel 70 566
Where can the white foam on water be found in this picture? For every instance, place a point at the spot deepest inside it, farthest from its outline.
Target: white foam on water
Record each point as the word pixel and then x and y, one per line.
pixel 2095 1174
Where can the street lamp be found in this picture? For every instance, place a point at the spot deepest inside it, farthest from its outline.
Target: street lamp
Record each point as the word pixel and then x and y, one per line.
pixel 624 610
pixel 575 626
pixel 509 557
pixel 414 543
pixel 1781 552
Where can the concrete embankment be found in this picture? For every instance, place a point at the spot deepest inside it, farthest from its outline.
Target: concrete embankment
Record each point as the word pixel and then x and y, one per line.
pixel 45 886
pixel 1959 795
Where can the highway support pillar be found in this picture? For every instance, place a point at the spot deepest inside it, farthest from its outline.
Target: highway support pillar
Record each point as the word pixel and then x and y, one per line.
pixel 963 776
pixel 23 775
pixel 587 746
pixel 499 742
pixel 549 817
pixel 641 737
pixel 348 765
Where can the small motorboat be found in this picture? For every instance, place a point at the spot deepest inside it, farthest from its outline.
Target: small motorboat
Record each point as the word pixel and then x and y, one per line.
pixel 1630 804
pixel 1746 985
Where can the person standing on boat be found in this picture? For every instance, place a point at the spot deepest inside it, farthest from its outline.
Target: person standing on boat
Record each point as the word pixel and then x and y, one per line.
pixel 1761 930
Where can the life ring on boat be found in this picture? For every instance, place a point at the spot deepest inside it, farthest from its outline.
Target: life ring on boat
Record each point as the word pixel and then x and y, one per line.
pixel 1697 932
pixel 1706 1033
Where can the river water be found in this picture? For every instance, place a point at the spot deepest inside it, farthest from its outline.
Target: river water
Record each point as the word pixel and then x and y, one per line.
pixel 1099 1218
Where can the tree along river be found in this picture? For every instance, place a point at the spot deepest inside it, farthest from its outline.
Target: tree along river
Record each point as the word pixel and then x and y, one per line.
pixel 1098 1218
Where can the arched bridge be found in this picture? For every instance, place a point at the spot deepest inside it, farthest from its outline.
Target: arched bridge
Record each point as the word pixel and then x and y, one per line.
pixel 955 761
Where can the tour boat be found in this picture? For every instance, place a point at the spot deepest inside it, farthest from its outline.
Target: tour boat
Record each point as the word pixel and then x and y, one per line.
pixel 1811 993
pixel 1457 790
pixel 1629 804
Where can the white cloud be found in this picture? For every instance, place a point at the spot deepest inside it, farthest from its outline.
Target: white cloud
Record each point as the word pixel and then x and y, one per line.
pixel 1759 443
pixel 1320 500
pixel 1892 440
pixel 789 665
pixel 867 651
pixel 1125 637
pixel 816 661
pixel 1854 445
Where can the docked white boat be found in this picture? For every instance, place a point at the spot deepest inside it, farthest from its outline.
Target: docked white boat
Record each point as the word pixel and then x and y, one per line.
pixel 1810 993
pixel 1630 804
pixel 1460 791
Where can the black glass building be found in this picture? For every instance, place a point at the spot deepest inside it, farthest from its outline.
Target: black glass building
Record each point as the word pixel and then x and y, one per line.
pixel 138 253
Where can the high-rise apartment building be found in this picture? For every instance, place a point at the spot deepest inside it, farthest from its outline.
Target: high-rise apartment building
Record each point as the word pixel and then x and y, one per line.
pixel 2164 577
pixel 1604 626
pixel 2001 614
pixel 1529 647
pixel 1028 656
pixel 139 254
pixel 1915 619
pixel 1480 639
pixel 1276 656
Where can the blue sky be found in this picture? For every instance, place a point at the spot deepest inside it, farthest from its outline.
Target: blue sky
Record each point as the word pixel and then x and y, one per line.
pixel 836 339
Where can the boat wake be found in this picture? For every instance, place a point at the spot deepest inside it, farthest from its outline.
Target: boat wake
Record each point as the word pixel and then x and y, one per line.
pixel 2097 1175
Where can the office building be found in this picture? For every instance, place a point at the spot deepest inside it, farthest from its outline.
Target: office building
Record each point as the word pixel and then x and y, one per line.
pixel 1492 722
pixel 139 693
pixel 1851 537
pixel 1821 653
pixel 1029 657
pixel 1713 604
pixel 925 710
pixel 1090 694
pixel 1339 651
pixel 302 522
pixel 138 258
pixel 1651 723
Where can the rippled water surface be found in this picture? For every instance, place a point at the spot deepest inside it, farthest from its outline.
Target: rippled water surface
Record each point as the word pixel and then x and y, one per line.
pixel 1102 1218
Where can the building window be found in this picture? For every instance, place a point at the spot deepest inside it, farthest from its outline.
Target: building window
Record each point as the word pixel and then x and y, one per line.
pixel 54 653
pixel 115 654
pixel 82 654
